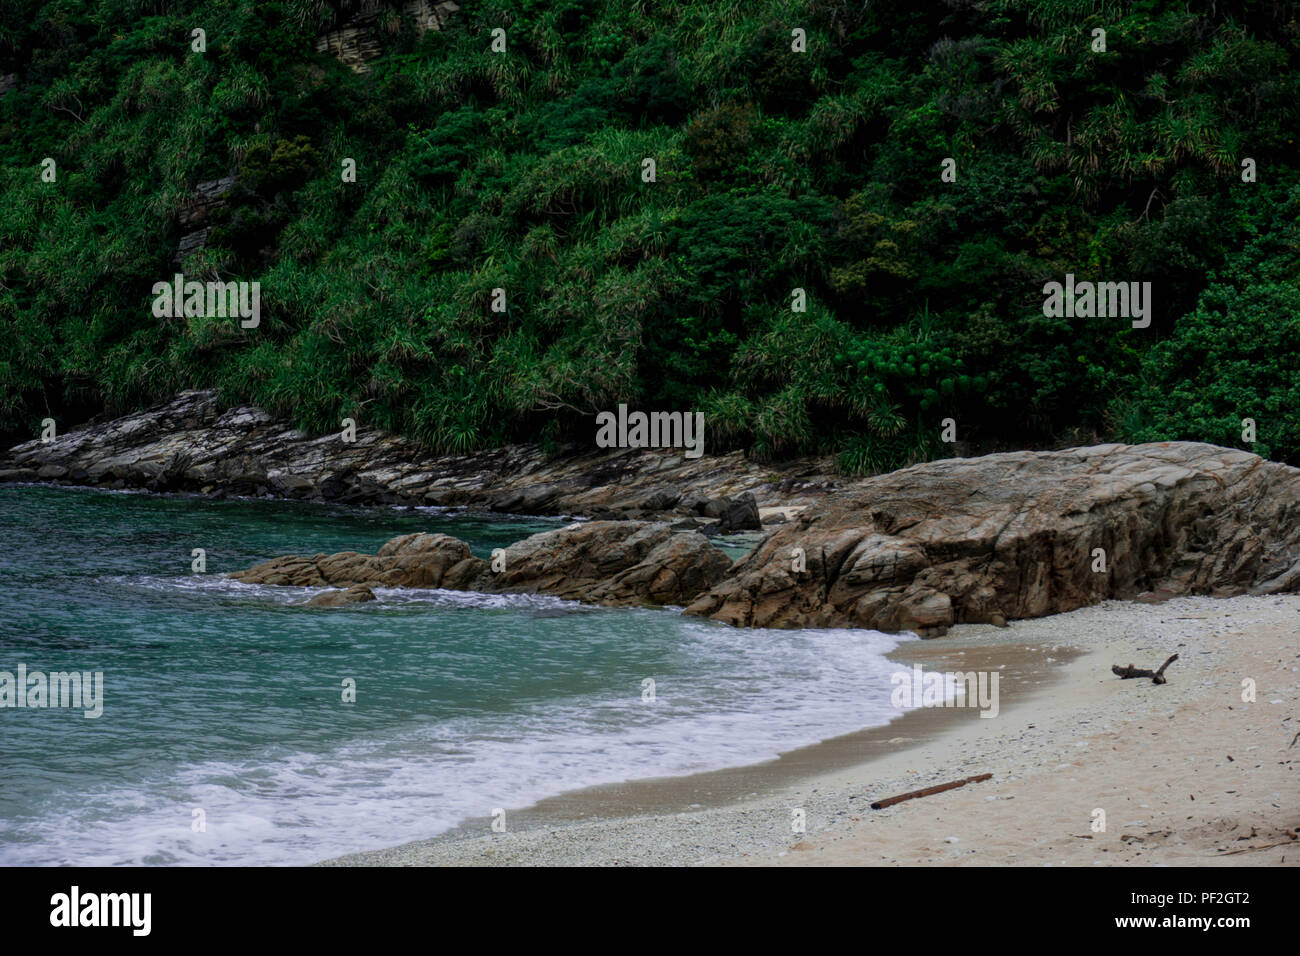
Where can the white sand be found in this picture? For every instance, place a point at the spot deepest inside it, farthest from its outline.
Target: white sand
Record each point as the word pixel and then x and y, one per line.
pixel 1154 758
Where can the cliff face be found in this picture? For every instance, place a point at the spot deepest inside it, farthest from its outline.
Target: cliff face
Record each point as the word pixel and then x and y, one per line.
pixel 1022 535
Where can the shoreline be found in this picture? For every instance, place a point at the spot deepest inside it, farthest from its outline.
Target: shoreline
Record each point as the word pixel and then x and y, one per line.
pixel 1044 733
pixel 194 443
pixel 741 815
pixel 743 784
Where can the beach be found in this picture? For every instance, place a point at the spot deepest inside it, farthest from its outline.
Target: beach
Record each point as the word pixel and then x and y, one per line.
pixel 1187 773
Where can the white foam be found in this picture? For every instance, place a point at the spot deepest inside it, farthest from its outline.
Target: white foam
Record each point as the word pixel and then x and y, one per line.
pixel 748 696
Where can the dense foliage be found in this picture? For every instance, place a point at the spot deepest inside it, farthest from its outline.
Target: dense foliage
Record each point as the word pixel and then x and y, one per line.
pixel 775 170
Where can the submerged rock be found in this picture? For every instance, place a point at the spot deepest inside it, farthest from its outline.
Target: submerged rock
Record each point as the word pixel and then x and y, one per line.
pixel 353 595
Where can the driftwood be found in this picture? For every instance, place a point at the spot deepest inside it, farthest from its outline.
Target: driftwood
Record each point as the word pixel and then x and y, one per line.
pixel 890 801
pixel 1157 677
pixel 1266 846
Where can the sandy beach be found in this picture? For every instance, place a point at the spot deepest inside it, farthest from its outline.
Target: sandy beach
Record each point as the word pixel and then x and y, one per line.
pixel 1187 773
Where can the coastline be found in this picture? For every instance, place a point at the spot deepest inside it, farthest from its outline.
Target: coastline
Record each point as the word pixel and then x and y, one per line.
pixel 1070 738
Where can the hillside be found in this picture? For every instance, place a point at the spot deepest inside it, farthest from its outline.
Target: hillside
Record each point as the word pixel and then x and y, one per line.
pixel 774 170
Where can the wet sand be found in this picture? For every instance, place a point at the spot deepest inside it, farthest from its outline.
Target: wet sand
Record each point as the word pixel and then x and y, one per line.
pixel 1025 670
pixel 1185 773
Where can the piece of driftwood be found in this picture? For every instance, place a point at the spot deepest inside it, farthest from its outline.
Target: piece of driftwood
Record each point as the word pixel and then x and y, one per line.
pixel 1157 677
pixel 890 801
pixel 1266 846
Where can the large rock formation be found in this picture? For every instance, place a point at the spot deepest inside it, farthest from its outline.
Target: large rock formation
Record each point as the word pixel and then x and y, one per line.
pixel 1022 535
pixel 601 562
pixel 976 539
pixel 194 443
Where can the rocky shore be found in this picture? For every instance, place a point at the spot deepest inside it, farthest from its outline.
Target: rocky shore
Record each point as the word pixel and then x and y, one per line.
pixel 1021 535
pixel 194 443
pixel 615 563
pixel 978 540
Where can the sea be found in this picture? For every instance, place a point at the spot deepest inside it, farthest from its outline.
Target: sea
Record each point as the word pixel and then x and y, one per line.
pixel 237 727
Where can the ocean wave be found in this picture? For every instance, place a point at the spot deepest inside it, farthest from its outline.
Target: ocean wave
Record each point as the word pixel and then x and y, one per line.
pixel 748 696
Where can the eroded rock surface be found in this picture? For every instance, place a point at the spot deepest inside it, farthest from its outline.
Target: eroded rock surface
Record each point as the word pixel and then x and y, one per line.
pixel 600 562
pixel 1021 535
pixel 987 539
pixel 356 594
pixel 194 443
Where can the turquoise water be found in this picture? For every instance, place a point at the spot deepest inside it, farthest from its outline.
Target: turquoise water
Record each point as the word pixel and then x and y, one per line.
pixel 226 699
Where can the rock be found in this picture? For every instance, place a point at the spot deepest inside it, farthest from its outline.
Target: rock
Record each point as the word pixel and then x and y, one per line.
pixel 676 571
pixel 739 514
pixel 531 500
pixel 924 610
pixel 736 513
pixel 693 505
pixel 409 561
pixel 656 501
pixel 963 540
pixel 575 560
pixel 194 215
pixel 193 442
pixel 1015 535
pixel 354 41
pixel 617 563
pixel 353 595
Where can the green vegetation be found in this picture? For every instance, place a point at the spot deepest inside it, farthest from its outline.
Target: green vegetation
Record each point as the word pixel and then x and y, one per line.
pixel 775 170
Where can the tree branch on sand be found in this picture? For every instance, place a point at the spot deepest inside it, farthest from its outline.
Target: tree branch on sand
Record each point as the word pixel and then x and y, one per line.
pixel 1157 677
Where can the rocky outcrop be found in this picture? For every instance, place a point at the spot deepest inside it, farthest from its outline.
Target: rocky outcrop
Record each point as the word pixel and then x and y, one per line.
pixel 614 563
pixel 991 539
pixel 1021 535
pixel 410 561
pixel 356 42
pixel 734 514
pixel 194 215
pixel 676 571
pixel 194 443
